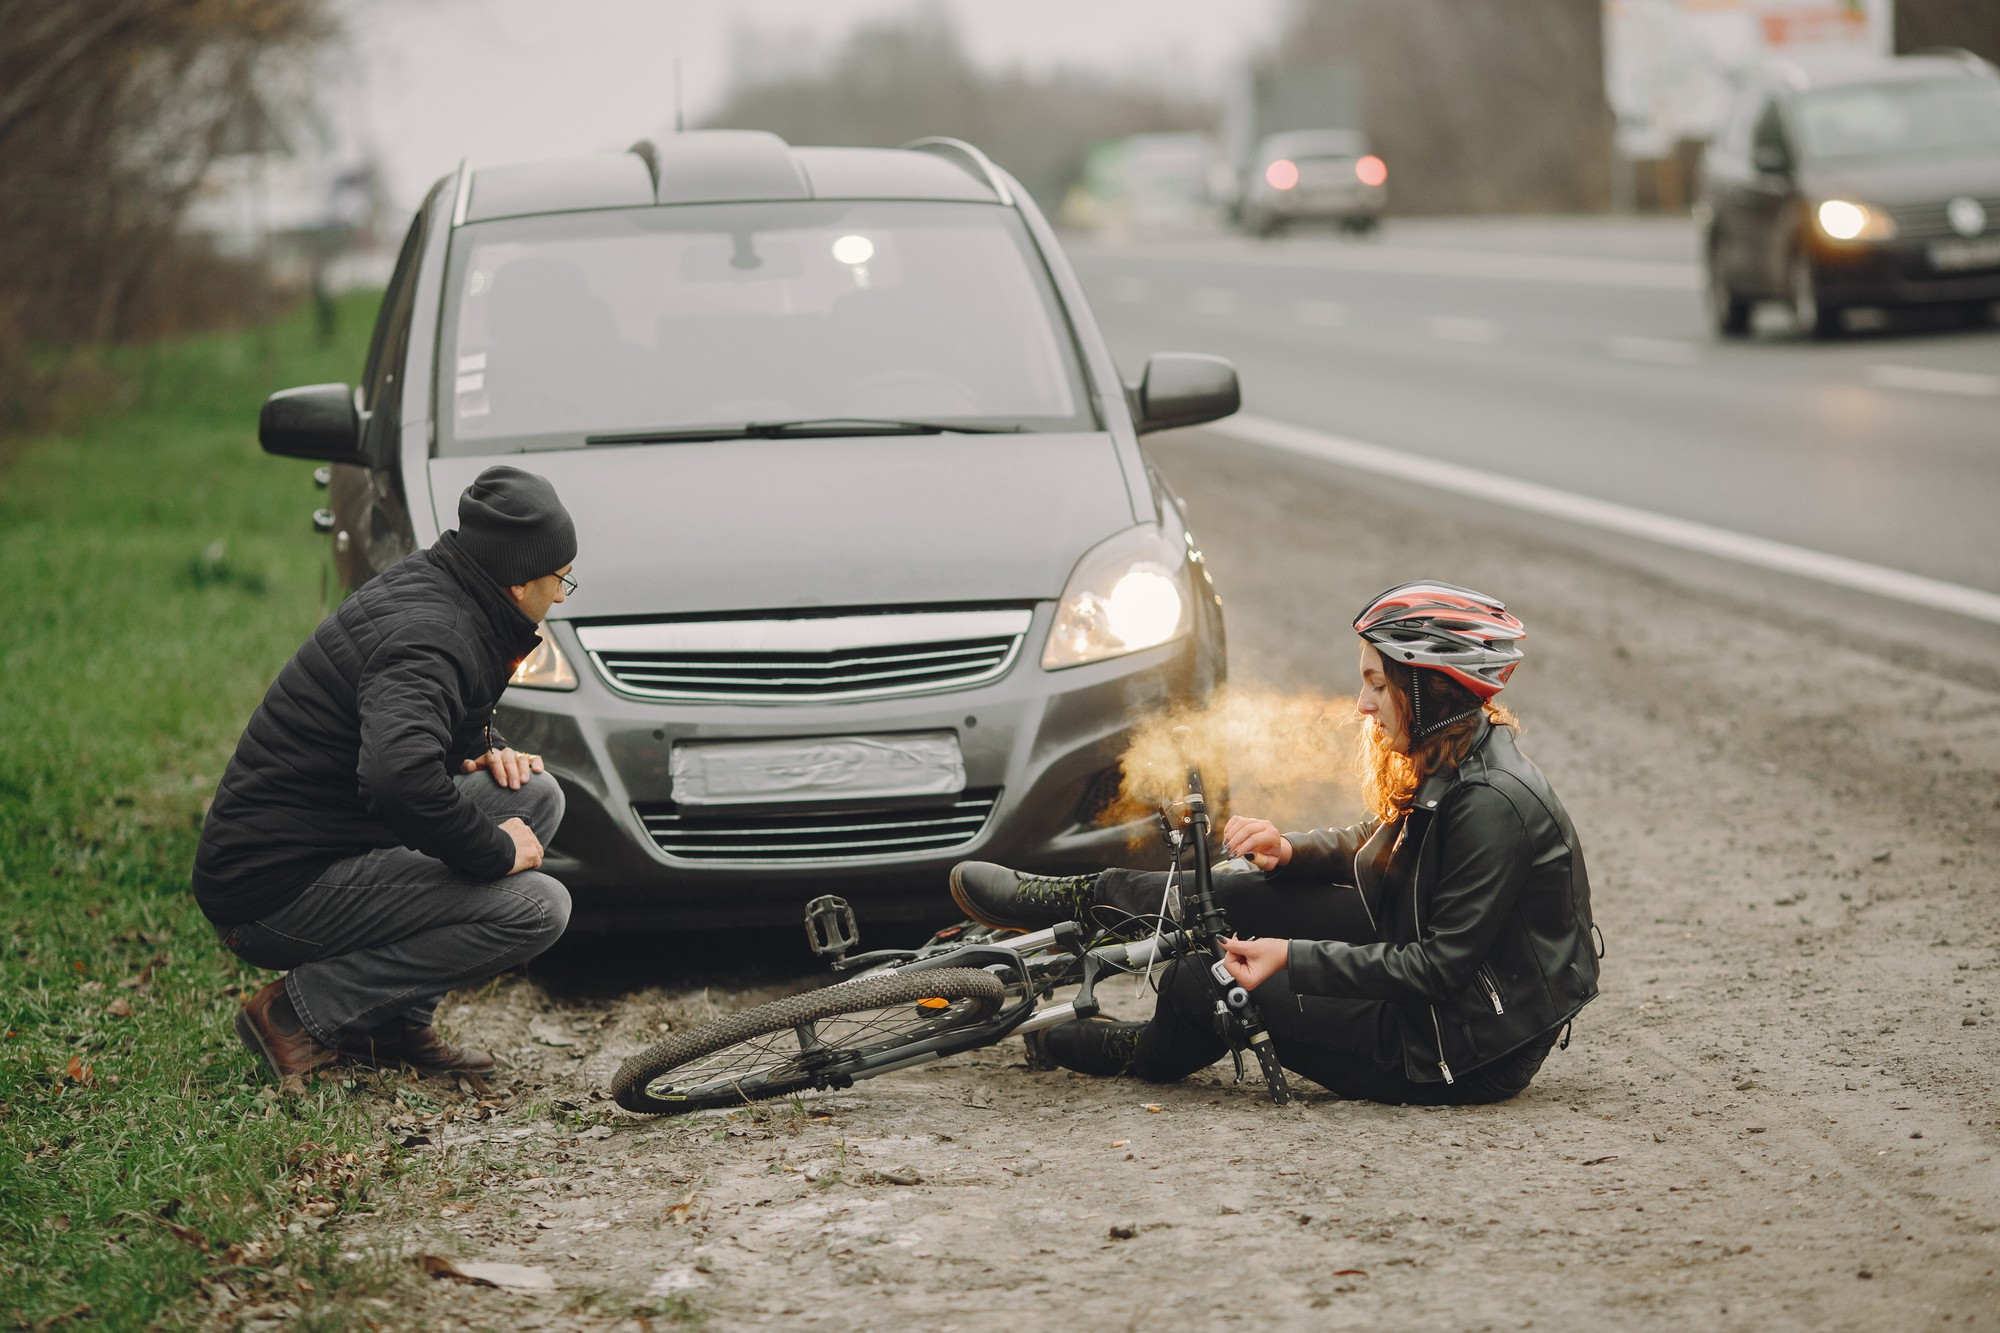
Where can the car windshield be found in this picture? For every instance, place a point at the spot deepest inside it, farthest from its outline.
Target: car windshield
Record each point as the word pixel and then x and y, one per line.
pixel 1878 119
pixel 630 324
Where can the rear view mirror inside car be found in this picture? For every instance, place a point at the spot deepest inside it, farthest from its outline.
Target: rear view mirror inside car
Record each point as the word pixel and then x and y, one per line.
pixel 746 258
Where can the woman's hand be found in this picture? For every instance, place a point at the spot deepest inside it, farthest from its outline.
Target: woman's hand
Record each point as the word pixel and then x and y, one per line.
pixel 510 768
pixel 1254 962
pixel 1257 839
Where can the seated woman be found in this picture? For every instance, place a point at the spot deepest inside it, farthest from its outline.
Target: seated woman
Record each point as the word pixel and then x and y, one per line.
pixel 1430 954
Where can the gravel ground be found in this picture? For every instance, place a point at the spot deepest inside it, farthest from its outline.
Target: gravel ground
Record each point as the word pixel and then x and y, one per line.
pixel 1780 1114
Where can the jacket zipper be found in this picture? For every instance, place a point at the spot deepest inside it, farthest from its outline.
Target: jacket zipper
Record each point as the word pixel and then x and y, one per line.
pixel 1358 888
pixel 1492 990
pixel 1417 921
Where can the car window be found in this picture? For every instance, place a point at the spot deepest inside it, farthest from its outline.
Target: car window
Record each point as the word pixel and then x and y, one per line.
pixel 1877 119
pixel 392 323
pixel 1736 133
pixel 664 319
pixel 1770 132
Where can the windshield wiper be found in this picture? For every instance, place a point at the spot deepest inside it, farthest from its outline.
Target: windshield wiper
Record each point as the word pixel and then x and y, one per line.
pixel 774 430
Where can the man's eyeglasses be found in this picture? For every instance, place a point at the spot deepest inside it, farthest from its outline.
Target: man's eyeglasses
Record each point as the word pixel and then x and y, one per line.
pixel 569 585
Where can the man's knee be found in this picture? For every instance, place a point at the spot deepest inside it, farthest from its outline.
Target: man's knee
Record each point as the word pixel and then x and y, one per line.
pixel 545 802
pixel 544 909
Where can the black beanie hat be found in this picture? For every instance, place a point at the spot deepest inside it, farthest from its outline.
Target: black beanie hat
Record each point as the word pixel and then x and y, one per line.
pixel 513 526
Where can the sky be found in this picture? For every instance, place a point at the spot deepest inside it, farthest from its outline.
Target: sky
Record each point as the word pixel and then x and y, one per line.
pixel 427 83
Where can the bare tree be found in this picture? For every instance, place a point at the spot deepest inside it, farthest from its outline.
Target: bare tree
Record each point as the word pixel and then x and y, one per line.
pixel 900 78
pixel 1479 107
pixel 111 113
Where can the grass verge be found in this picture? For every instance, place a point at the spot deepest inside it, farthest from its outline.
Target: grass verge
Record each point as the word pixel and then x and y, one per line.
pixel 160 571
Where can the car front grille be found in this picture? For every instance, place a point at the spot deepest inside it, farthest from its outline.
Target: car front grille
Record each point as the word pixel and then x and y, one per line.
pixel 817 835
pixel 1928 222
pixel 809 659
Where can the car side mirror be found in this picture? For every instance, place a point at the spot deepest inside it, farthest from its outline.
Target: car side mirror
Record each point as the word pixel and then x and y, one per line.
pixel 1771 158
pixel 1185 389
pixel 317 421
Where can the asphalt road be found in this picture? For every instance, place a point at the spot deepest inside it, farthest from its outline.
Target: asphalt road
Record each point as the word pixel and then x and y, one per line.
pixel 1574 354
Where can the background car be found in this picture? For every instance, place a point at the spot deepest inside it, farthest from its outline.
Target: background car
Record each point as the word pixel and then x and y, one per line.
pixel 1315 176
pixel 1869 184
pixel 873 574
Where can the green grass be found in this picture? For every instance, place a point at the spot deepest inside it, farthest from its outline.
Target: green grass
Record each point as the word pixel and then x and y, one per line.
pixel 159 569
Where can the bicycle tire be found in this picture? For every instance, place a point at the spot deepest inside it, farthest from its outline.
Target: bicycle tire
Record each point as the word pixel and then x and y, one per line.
pixel 744 1057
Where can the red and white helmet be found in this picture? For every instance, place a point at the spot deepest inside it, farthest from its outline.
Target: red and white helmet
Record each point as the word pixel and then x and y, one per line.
pixel 1465 634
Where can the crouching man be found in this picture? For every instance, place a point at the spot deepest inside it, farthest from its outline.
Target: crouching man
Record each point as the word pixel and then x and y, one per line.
pixel 374 837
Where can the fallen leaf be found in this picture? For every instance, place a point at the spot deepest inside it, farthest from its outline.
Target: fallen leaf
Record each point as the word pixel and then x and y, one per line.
pixel 1600 1161
pixel 1119 1143
pixel 548 1034
pixel 509 1277
pixel 1154 1107
pixel 119 1008
pixel 1350 1272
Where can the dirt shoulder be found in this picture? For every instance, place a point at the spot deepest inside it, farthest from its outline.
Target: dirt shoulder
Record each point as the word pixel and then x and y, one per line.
pixel 1781 1113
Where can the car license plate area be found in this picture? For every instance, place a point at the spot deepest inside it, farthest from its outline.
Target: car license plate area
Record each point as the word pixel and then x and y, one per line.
pixel 708 774
pixel 1957 256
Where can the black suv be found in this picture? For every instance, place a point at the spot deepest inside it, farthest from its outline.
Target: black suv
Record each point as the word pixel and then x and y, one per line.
pixel 1872 184
pixel 873 575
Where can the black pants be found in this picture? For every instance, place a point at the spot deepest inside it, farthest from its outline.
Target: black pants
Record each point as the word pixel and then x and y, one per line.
pixel 1351 1047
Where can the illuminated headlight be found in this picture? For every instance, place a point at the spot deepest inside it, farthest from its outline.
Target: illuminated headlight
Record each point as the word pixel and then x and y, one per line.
pixel 1128 593
pixel 1844 220
pixel 545 668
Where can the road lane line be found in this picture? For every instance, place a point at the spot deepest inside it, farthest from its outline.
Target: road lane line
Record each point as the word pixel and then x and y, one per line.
pixel 1657 351
pixel 1837 570
pixel 1323 314
pixel 1657 275
pixel 1462 329
pixel 1214 300
pixel 1967 383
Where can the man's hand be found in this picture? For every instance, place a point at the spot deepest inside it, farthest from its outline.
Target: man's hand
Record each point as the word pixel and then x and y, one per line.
pixel 527 847
pixel 1254 962
pixel 1257 839
pixel 510 768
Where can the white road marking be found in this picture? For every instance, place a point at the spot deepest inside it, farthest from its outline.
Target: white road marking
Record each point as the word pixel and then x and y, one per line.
pixel 1462 329
pixel 1130 290
pixel 1323 314
pixel 1214 300
pixel 1659 351
pixel 1837 570
pixel 1968 383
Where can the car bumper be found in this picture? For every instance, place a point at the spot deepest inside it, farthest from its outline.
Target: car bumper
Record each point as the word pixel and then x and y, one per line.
pixel 1897 273
pixel 1356 201
pixel 1047 742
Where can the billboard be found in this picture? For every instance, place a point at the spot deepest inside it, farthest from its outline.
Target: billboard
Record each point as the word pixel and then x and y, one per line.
pixel 1670 65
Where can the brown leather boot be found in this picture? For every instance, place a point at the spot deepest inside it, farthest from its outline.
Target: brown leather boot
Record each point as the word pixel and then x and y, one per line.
pixel 400 1041
pixel 270 1027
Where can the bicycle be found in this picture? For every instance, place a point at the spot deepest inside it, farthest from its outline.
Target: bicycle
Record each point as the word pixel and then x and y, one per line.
pixel 967 987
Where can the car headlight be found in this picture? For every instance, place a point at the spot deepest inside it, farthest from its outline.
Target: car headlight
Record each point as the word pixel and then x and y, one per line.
pixel 1845 220
pixel 545 668
pixel 1129 592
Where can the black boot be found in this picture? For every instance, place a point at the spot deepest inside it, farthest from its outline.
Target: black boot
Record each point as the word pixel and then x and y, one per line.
pixel 1007 899
pixel 1096 1046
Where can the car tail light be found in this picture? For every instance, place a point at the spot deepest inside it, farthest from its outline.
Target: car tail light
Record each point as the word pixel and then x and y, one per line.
pixel 1282 174
pixel 1371 170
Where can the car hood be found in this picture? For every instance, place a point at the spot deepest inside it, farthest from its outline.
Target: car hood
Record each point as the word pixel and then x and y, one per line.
pixel 756 525
pixel 1931 178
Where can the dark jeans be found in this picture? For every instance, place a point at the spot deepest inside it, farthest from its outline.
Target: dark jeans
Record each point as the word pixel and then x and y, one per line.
pixel 385 934
pixel 1351 1047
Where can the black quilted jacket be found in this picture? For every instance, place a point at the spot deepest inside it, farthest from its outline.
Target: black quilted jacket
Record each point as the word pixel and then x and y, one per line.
pixel 1482 904
pixel 356 742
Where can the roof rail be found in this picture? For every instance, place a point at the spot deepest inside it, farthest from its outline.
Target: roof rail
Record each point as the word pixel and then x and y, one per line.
pixel 1970 59
pixel 982 165
pixel 464 198
pixel 645 152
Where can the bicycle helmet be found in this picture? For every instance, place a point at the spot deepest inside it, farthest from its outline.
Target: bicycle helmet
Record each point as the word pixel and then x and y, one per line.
pixel 1465 634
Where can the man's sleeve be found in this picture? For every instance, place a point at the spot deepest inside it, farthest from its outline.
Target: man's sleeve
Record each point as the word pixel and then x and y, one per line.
pixel 407 696
pixel 1483 864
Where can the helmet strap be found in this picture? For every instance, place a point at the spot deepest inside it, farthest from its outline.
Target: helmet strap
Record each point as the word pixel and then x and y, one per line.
pixel 1418 731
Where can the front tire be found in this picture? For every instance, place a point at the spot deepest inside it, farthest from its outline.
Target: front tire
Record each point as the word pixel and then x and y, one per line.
pixel 818 1039
pixel 1728 313
pixel 1812 317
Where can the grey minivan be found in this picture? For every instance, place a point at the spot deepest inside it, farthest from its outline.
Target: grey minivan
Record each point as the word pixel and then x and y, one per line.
pixel 873 573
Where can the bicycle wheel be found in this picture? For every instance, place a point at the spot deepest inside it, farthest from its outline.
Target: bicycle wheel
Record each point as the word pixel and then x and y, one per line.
pixel 819 1039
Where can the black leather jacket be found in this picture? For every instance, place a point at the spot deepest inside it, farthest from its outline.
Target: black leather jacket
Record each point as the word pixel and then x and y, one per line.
pixel 1482 904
